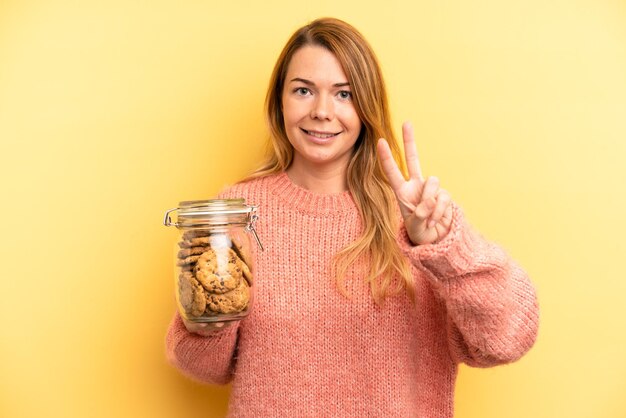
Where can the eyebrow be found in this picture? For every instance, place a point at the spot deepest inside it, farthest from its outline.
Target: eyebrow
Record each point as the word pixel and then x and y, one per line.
pixel 310 83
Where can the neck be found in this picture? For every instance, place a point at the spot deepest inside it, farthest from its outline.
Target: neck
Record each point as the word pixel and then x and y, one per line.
pixel 319 179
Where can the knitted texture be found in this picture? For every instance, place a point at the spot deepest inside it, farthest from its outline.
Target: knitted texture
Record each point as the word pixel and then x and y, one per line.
pixel 307 351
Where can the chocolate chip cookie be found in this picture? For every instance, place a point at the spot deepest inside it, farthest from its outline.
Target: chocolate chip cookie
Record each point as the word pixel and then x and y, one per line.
pixel 218 270
pixel 191 295
pixel 233 301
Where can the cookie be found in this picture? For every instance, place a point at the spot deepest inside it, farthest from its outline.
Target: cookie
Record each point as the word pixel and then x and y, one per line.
pixel 239 249
pixel 244 258
pixel 187 267
pixel 215 240
pixel 187 260
pixel 233 301
pixel 218 270
pixel 191 295
pixel 195 242
pixel 195 233
pixel 247 274
pixel 186 252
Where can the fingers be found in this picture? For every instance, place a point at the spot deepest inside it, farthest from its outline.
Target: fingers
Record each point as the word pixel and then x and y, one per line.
pixel 430 189
pixel 434 205
pixel 395 177
pixel 424 209
pixel 446 219
pixel 206 329
pixel 443 227
pixel 410 152
pixel 393 173
pixel 443 203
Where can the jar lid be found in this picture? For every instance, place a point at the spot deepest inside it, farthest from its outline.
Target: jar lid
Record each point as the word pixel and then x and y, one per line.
pixel 198 213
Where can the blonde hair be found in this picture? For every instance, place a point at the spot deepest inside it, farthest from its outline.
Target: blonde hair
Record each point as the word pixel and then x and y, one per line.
pixel 366 180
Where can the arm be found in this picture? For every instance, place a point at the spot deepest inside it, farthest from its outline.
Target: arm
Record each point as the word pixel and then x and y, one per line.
pixel 490 302
pixel 208 359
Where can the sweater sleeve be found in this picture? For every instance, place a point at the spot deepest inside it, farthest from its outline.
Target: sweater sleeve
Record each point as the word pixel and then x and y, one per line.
pixel 491 305
pixel 205 359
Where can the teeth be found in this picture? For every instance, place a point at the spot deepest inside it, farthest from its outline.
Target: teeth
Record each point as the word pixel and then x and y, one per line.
pixel 321 136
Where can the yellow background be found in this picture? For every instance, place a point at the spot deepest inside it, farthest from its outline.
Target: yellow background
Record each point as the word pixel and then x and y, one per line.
pixel 112 112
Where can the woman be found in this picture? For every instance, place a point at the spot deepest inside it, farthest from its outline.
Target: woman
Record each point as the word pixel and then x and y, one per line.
pixel 372 289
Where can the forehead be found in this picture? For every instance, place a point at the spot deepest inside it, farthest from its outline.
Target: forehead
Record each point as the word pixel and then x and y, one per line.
pixel 317 64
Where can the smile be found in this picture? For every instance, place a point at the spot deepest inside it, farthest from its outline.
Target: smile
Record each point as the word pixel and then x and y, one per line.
pixel 320 135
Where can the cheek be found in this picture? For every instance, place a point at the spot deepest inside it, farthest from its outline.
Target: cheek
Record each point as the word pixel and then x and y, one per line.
pixel 289 117
pixel 292 111
pixel 289 121
pixel 348 115
pixel 354 121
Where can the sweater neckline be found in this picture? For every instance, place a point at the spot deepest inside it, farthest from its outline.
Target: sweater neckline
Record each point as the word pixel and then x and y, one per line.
pixel 308 201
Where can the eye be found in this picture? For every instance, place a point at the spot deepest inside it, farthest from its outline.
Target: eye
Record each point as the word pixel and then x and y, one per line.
pixel 302 91
pixel 345 95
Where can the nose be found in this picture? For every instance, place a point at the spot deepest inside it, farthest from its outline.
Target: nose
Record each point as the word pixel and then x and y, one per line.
pixel 323 107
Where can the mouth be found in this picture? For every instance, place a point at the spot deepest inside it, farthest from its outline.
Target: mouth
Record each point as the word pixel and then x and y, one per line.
pixel 320 134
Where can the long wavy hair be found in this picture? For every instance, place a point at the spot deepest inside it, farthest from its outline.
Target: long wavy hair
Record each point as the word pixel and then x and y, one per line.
pixel 366 180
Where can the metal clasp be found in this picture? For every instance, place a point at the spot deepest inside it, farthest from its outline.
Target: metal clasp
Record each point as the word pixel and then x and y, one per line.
pixel 250 227
pixel 167 221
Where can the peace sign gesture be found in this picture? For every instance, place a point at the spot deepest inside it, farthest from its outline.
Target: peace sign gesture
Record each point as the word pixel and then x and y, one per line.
pixel 426 208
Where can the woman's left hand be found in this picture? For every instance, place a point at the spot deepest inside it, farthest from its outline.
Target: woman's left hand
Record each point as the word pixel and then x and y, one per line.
pixel 425 207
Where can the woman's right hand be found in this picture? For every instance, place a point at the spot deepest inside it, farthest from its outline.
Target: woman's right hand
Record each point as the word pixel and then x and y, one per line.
pixel 207 329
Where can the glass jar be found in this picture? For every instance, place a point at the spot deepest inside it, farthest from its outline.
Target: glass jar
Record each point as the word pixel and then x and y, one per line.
pixel 214 270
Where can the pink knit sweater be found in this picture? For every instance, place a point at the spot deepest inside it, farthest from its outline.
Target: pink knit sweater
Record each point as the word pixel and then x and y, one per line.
pixel 307 351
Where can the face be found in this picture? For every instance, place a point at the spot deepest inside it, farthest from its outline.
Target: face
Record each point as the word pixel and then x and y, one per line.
pixel 320 119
